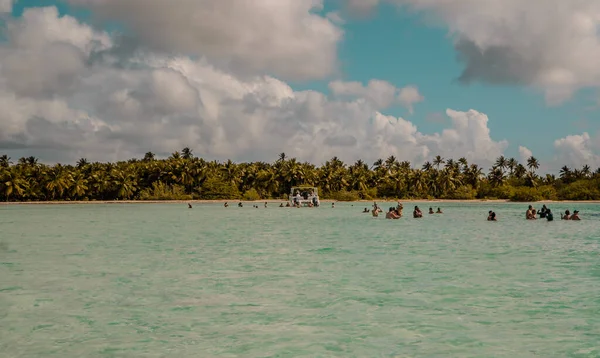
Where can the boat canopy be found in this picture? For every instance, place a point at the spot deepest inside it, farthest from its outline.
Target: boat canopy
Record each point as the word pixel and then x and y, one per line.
pixel 300 189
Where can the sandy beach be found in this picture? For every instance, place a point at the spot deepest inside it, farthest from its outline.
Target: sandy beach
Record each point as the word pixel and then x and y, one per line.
pixel 274 201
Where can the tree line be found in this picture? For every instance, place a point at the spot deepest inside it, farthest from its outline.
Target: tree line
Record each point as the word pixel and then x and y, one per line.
pixel 183 176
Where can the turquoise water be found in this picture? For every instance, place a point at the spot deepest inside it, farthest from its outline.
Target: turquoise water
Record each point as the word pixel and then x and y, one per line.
pixel 160 280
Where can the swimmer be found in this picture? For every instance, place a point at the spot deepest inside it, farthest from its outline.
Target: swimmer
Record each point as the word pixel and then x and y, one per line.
pixel 439 211
pixel 491 216
pixel 548 214
pixel 567 215
pixel 391 214
pixel 226 204
pixel 417 213
pixel 575 216
pixel 189 206
pixel 431 211
pixel 529 213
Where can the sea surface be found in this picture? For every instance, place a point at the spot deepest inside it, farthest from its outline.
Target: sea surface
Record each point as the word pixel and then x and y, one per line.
pixel 162 280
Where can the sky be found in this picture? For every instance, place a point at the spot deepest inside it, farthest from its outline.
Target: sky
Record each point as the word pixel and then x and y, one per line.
pixel 246 80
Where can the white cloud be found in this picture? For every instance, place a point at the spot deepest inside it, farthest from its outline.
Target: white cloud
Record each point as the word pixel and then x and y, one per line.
pixel 6 6
pixel 81 104
pixel 577 150
pixel 553 45
pixel 282 37
pixel 409 96
pixel 524 154
pixel 380 93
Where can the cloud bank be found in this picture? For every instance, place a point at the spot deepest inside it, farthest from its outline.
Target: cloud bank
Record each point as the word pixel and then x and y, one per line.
pixel 552 45
pixel 215 84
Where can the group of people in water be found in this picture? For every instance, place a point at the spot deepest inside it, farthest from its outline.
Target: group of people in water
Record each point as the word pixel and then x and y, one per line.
pixel 396 212
pixel 543 213
pixel 287 205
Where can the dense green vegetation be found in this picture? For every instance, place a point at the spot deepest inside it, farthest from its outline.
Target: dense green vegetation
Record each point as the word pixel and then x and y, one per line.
pixel 183 176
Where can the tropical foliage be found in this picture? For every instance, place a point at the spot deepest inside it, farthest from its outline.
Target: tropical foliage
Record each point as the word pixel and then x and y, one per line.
pixel 183 176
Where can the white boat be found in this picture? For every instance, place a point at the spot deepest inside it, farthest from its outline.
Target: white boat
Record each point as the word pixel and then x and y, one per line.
pixel 304 196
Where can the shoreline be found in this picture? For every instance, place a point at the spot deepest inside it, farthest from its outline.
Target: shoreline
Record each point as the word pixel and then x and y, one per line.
pixel 274 201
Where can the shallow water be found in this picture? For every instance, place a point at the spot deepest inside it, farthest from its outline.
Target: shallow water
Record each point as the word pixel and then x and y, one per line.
pixel 156 280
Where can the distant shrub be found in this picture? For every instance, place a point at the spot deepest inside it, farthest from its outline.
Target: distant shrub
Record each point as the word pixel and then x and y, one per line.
pixel 525 194
pixel 345 196
pixel 251 195
pixel 465 192
pixel 487 191
pixel 579 190
pixel 548 192
pixel 369 194
pixel 162 191
pixel 216 189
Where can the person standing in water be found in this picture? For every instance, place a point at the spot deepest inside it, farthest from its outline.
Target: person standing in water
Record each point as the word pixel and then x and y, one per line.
pixel 567 215
pixel 189 206
pixel 543 212
pixel 431 211
pixel 417 213
pixel 548 214
pixel 529 214
pixel 439 211
pixel 391 214
pixel 575 216
pixel 491 216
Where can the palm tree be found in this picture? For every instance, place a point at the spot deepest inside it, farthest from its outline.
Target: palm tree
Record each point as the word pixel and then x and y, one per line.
pixel 5 161
pixel 427 166
pixel 501 163
pixel 565 173
pixel 437 161
pixel 186 153
pixel 496 176
pixel 586 171
pixel 512 165
pixel 148 157
pixel 82 163
pixel 533 164
pixel 464 163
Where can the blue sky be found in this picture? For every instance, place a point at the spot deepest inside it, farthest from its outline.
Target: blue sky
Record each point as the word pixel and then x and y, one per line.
pixel 402 48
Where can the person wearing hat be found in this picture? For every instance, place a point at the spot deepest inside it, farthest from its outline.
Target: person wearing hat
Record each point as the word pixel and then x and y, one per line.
pixel 575 215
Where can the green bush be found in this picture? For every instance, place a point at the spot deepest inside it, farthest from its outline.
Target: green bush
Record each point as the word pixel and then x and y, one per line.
pixel 525 194
pixel 345 196
pixel 465 192
pixel 486 191
pixel 580 190
pixel 162 191
pixel 251 195
pixel 548 192
pixel 216 189
pixel 369 194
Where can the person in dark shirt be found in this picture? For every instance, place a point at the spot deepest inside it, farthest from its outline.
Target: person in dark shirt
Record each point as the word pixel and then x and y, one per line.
pixel 543 212
pixel 548 215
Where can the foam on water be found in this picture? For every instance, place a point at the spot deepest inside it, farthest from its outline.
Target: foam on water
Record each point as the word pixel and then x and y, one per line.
pixel 162 280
